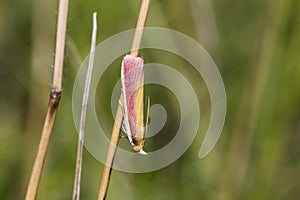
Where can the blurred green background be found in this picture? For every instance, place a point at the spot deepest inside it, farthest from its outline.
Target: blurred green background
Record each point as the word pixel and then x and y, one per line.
pixel 255 45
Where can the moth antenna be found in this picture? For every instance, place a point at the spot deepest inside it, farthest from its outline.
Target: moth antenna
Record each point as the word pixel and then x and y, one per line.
pixel 148 110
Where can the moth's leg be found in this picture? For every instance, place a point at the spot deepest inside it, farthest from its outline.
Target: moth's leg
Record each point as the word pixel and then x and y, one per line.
pixel 121 105
pixel 123 136
pixel 125 121
pixel 124 129
pixel 122 123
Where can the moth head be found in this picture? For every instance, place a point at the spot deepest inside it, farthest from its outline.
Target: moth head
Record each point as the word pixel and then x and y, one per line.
pixel 138 147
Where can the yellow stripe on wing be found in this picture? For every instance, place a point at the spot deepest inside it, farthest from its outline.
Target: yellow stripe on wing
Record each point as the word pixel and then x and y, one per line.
pixel 139 107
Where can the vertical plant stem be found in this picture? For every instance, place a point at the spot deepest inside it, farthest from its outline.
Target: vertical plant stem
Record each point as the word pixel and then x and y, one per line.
pixel 60 44
pixel 76 190
pixel 55 96
pixel 139 27
pixel 119 115
pixel 111 153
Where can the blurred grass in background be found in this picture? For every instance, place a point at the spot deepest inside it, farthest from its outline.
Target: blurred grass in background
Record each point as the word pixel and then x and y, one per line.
pixel 254 43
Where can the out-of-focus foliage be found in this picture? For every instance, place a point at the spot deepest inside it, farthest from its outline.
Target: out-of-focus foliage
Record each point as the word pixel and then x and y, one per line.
pixel 254 43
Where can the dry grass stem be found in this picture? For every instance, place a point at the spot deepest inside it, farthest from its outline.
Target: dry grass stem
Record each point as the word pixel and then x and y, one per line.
pixel 55 95
pixel 139 27
pixel 119 115
pixel 76 190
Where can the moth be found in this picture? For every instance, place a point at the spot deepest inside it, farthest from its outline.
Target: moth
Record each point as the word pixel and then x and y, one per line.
pixel 132 78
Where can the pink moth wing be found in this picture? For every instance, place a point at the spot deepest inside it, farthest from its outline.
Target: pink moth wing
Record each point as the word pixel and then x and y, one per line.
pixel 132 73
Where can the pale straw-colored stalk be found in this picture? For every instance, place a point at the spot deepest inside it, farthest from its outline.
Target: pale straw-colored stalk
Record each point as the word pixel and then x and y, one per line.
pixel 119 115
pixel 76 189
pixel 55 95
